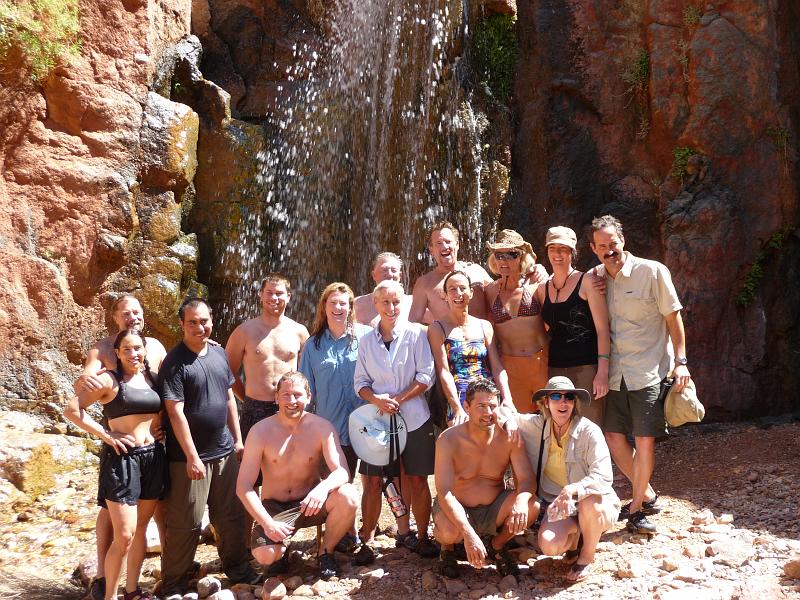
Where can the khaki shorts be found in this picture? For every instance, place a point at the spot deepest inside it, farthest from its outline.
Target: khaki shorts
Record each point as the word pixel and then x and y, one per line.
pixel 483 517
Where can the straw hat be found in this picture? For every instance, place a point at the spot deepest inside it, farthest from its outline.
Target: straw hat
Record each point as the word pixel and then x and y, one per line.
pixel 509 239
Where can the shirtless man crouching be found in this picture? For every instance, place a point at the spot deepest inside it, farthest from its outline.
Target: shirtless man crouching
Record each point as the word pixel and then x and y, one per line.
pixel 472 501
pixel 288 449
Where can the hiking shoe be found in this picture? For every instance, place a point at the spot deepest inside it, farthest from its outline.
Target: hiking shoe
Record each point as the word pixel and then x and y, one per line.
pixel 448 565
pixel 649 507
pixel 347 543
pixel 280 566
pixel 137 594
pixel 97 591
pixel 406 540
pixel 638 523
pixel 427 548
pixel 364 556
pixel 327 566
pixel 505 563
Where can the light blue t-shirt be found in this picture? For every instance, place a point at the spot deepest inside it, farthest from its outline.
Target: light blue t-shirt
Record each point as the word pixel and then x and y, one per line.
pixel 329 370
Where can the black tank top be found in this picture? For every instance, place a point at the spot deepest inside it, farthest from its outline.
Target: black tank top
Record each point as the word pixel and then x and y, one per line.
pixel 132 401
pixel 573 338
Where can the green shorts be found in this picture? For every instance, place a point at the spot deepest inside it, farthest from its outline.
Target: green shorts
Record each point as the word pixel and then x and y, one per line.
pixel 635 412
pixel 483 517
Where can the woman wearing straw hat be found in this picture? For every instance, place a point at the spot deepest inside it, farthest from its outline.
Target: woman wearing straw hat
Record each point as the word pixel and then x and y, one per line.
pixel 574 475
pixel 515 313
pixel 576 315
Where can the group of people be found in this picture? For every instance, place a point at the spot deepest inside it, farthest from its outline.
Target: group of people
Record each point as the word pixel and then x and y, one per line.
pixel 543 375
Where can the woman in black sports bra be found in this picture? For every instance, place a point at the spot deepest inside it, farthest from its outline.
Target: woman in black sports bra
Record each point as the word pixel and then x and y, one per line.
pixel 132 462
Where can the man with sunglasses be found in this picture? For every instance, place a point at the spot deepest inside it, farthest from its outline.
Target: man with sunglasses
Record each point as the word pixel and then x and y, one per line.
pixel 645 327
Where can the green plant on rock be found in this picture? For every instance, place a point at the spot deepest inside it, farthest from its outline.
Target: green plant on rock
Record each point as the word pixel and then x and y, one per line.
pixel 637 75
pixel 42 30
pixel 681 156
pixel 749 290
pixel 682 52
pixel 691 16
pixel 495 50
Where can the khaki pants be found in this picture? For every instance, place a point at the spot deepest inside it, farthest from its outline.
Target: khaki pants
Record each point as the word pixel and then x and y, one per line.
pixel 184 506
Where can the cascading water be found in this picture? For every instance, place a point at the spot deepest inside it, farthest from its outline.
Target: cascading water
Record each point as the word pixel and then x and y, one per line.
pixel 375 141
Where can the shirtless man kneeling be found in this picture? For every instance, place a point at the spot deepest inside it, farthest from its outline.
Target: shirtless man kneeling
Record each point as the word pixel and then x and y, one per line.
pixel 472 501
pixel 288 449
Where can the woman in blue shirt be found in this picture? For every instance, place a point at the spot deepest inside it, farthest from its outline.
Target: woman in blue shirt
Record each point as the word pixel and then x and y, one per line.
pixel 329 362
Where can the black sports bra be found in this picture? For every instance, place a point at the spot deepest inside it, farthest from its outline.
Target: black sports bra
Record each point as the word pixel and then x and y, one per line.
pixel 132 401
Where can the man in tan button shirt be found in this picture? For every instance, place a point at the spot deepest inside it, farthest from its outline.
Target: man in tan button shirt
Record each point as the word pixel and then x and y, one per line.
pixel 644 315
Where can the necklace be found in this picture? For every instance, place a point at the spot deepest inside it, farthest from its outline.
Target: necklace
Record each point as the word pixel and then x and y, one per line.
pixel 558 289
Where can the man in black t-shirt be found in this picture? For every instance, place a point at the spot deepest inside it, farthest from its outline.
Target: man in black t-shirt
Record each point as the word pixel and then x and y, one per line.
pixel 204 447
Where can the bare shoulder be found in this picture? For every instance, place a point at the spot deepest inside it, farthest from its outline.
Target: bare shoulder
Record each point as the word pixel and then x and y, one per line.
pixel 426 282
pixel 477 274
pixel 450 437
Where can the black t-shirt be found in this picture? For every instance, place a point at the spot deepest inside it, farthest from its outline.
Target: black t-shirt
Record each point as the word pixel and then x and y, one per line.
pixel 202 383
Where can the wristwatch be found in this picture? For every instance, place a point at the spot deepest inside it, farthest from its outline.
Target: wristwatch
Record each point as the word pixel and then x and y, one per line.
pixel 681 360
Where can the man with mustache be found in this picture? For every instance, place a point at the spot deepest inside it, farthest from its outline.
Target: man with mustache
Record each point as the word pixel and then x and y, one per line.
pixel 644 315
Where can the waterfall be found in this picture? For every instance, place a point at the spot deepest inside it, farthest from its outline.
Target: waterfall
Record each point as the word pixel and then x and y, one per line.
pixel 375 141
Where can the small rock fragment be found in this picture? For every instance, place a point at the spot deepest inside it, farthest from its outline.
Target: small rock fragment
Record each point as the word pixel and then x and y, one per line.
pixel 792 568
pixel 303 590
pixel 509 582
pixel 207 586
pixel 455 586
pixel 274 589
pixel 429 580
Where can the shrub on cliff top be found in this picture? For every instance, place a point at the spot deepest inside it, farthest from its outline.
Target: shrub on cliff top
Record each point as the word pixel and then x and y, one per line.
pixel 42 30
pixel 495 51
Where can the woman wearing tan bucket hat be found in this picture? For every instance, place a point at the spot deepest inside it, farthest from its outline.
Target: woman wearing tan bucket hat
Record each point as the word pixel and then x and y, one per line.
pixel 576 315
pixel 515 313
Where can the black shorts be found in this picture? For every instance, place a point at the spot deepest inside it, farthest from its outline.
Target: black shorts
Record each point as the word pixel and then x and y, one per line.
pixel 141 474
pixel 254 411
pixel 418 456
pixel 274 507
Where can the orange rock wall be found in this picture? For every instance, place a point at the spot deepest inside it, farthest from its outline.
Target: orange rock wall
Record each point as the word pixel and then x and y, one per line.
pixel 723 81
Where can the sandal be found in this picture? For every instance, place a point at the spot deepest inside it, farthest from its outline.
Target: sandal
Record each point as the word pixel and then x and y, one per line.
pixel 505 563
pixel 137 594
pixel 578 572
pixel 407 540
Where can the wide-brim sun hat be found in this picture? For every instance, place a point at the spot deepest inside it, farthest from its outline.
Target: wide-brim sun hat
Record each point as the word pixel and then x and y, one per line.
pixel 371 434
pixel 509 239
pixel 563 384
pixel 561 235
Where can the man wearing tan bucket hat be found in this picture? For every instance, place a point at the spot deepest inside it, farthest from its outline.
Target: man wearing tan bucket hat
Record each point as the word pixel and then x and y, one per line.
pixel 515 313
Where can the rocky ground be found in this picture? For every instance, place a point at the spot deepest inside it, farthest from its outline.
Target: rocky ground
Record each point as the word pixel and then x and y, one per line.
pixel 729 529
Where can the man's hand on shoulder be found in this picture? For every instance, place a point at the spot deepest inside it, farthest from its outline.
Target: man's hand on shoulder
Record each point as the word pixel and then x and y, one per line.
pixel 90 382
pixel 597 280
pixel 537 274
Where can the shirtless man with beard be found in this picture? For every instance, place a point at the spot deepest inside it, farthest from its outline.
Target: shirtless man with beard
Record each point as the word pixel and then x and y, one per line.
pixel 289 449
pixel 264 348
pixel 471 460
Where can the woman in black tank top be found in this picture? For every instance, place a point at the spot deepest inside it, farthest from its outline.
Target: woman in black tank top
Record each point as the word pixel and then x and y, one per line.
pixel 576 315
pixel 132 463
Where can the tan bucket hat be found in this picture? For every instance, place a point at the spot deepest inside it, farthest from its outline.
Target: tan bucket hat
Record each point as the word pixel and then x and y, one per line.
pixel 561 235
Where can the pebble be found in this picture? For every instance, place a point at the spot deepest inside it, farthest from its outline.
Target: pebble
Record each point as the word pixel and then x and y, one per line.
pixel 274 589
pixel 191 596
pixel 792 568
pixel 632 569
pixel 323 588
pixel 303 590
pixel 222 595
pixel 507 583
pixel 373 575
pixel 670 563
pixel 207 586
pixel 429 580
pixel 455 586
pixel 703 518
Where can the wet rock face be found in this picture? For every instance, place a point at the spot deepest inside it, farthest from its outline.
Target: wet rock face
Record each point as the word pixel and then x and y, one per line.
pixel 609 96
pixel 93 174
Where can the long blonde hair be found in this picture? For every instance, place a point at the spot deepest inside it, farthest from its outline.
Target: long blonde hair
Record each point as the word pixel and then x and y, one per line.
pixel 321 319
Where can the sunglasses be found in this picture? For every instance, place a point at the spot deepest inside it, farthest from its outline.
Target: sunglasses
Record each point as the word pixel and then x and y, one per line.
pixel 510 255
pixel 556 396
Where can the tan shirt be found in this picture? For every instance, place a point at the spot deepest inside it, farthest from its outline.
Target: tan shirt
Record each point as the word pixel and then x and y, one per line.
pixel 638 298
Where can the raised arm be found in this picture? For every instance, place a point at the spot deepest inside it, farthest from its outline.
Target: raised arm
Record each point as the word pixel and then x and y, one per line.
pixel 436 340
pixel 89 378
pixel 599 308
